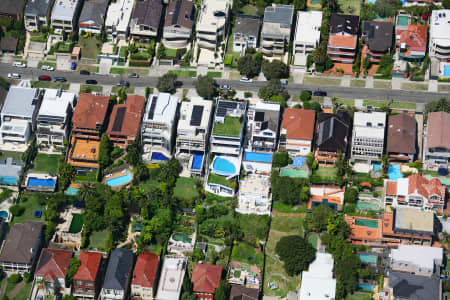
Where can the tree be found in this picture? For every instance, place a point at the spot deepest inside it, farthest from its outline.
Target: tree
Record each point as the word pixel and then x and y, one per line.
pixel 161 52
pixel 65 172
pixel 309 159
pixel 104 153
pixel 17 210
pixel 133 156
pixel 304 193
pixel 442 104
pixel 314 105
pixel 280 159
pixel 317 220
pixel 350 195
pixel 249 65
pixel 223 291
pixel 275 69
pixel 305 96
pixel 272 88
pixel 366 64
pixel 206 87
pixel 320 56
pixel 167 83
pixel 296 253
pixel 74 264
pixel 446 4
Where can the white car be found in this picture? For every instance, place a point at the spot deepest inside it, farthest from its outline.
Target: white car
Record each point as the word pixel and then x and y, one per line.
pixel 19 64
pixel 14 76
pixel 245 79
pixel 47 68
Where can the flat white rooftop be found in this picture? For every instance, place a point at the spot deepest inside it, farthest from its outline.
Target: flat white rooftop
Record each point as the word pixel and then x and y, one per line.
pixel 119 14
pixel 318 282
pixel 64 9
pixel 440 27
pixel 171 280
pixel 161 108
pixel 194 114
pixel 56 104
pixel 370 125
pixel 308 27
pixel 258 104
pixel 423 256
pixel 213 14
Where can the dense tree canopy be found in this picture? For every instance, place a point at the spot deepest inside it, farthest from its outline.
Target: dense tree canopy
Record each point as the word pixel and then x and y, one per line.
pixel 206 87
pixel 272 88
pixel 250 64
pixel 296 253
pixel 104 153
pixel 275 69
pixel 288 190
pixel 317 220
pixel 280 159
pixel 442 104
pixel 167 83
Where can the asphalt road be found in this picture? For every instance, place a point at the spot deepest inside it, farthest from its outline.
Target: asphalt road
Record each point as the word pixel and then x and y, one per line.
pixel 294 89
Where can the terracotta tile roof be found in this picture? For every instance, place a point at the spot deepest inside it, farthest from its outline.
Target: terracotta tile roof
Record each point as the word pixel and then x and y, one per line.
pixel 337 40
pixel 364 233
pixel 438 135
pixel 145 270
pixel 90 111
pixel 426 188
pixel 415 37
pixel 402 134
pixel 53 263
pixel 126 118
pixel 391 188
pixel 299 123
pixel 90 263
pixel 206 278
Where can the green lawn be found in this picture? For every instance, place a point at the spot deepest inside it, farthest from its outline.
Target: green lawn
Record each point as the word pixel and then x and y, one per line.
pixel 326 172
pixel 89 177
pixel 348 102
pixel 213 178
pixel 128 90
pixel 185 188
pixel 404 105
pixel 91 69
pixel 170 52
pixel 321 81
pixel 350 6
pixel 89 88
pixel 231 127
pixel 24 292
pixel 97 239
pixel 249 9
pixel 47 63
pixel 382 84
pixel 415 86
pixel 247 254
pixel 50 85
pixel 31 204
pixel 44 163
pixel 285 208
pixel 16 156
pixel 214 74
pixel 89 47
pixel 184 73
pixel 287 224
pixel 142 72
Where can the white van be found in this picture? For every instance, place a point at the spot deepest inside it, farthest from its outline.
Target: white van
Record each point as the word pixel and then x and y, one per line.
pixel 19 64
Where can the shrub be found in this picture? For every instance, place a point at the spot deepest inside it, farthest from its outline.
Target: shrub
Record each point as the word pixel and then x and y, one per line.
pixel 248 94
pixel 305 96
pixel 139 63
pixel 14 278
pixel 17 210
pixel 228 60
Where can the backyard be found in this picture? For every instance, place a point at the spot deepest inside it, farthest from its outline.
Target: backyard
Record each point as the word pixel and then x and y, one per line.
pixel 88 176
pixel 16 156
pixel 98 239
pixel 45 163
pixel 231 127
pixel 185 188
pixel 30 202
pixel 247 254
pixel 350 6
pixel 326 172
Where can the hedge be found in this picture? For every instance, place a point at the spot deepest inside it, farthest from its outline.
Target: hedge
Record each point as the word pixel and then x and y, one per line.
pixel 139 63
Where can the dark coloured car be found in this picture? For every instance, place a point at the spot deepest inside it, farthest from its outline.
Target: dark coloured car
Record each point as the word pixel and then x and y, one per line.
pixel 84 72
pixel 320 93
pixel 45 78
pixel 123 83
pixel 59 79
pixel 91 81
pixel 133 75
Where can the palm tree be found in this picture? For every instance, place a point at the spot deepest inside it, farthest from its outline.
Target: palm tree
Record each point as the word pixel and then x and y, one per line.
pixel 85 191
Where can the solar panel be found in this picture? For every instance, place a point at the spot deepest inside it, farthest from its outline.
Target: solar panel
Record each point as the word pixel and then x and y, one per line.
pixel 221 112
pixel 228 104
pixel 176 12
pixel 196 116
pixel 259 116
pixel 118 121
pixel 151 113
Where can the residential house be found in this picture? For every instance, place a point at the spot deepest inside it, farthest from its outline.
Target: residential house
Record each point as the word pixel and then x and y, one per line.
pixel 409 286
pixel 51 271
pixel 329 195
pixel 65 15
pixel 8 45
pixel 297 131
pixel 87 279
pixel 146 19
pixel 307 36
pixel 332 137
pixel 246 33
pixel 89 121
pixel 318 282
pixel 377 40
pixel 205 280
pixel 343 39
pixel 368 136
pixel 254 195
pixel 12 9
pixel 415 191
pixel 437 141
pixel 411 44
pixel 227 134
pixel 118 18
pixel 53 118
pixel 193 134
pixel 244 274
pixel 262 126
pixel 439 37
pixel 144 276
pixel 172 276
pixel 158 127
pixel 125 121
pixel 241 292
pixel 92 16
pixel 401 138
pixel 276 29
pixel 118 275
pixel 21 247
pixel 36 14
pixel 18 116
pixel 416 259
pixel 178 23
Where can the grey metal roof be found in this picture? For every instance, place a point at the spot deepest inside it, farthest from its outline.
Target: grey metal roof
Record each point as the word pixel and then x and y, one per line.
pixel 37 8
pixel 20 242
pixel 94 10
pixel 148 12
pixel 118 270
pixel 20 102
pixel 414 287
pixel 281 14
pixel 10 168
pixel 378 35
pixel 247 25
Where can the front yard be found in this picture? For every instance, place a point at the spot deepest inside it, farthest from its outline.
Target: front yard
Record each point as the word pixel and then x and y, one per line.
pixel 90 47
pixel 184 73
pixel 45 163
pixel 143 71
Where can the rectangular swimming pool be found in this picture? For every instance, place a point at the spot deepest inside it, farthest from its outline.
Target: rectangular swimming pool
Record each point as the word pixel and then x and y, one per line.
pixel 258 157
pixel 447 70
pixel 368 223
pixel 42 182
pixel 366 287
pixel 119 180
pixel 8 180
pixel 197 161
pixel 368 258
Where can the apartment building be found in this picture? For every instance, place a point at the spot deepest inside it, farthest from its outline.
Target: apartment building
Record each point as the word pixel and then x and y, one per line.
pixel 144 276
pixel 254 196
pixel 262 126
pixel 297 131
pixel 172 276
pixel 53 118
pixel 118 275
pixel 86 281
pixel 307 36
pixel 18 116
pixel 158 127
pixel 437 141
pixel 439 34
pixel 146 19
pixel 276 29
pixel 65 15
pixel 415 191
pixel 343 38
pixel 246 33
pixel 377 40
pixel 36 14
pixel 118 18
pixel 178 24
pixel 92 16
pixel 416 259
pixel 368 136
pixel 51 271
pixel 401 138
pixel 227 134
pixel 125 121
pixel 193 134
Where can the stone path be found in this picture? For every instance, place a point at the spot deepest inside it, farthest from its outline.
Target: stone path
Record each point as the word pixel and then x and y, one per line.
pixel 74 88
pixel 397 83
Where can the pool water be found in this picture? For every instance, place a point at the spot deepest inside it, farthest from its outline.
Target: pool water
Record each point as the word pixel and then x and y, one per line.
pixel 197 161
pixel 179 237
pixel 159 156
pixel 376 167
pixel 447 70
pixel 9 180
pixel 368 223
pixel 33 181
pixel 258 157
pixel 368 258
pixel 394 172
pixel 224 167
pixel 365 287
pixel 298 161
pixel 4 214
pixel 71 191
pixel 294 173
pixel 119 180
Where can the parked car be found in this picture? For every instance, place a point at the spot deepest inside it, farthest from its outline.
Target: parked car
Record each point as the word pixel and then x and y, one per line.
pixel 225 87
pixel 123 83
pixel 59 79
pixel 73 66
pixel 245 79
pixel 133 75
pixel 47 68
pixel 85 72
pixel 14 76
pixel 91 81
pixel 19 64
pixel 320 93
pixel 45 78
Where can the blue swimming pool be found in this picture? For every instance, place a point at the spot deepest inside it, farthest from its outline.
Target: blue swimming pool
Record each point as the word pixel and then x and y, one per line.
pixel 447 70
pixel 376 166
pixel 71 191
pixel 119 180
pixel 197 161
pixel 298 161
pixel 223 167
pixel 159 156
pixel 394 172
pixel 33 181
pixel 258 157
pixel 4 214
pixel 9 180
pixel 368 258
pixel 365 287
